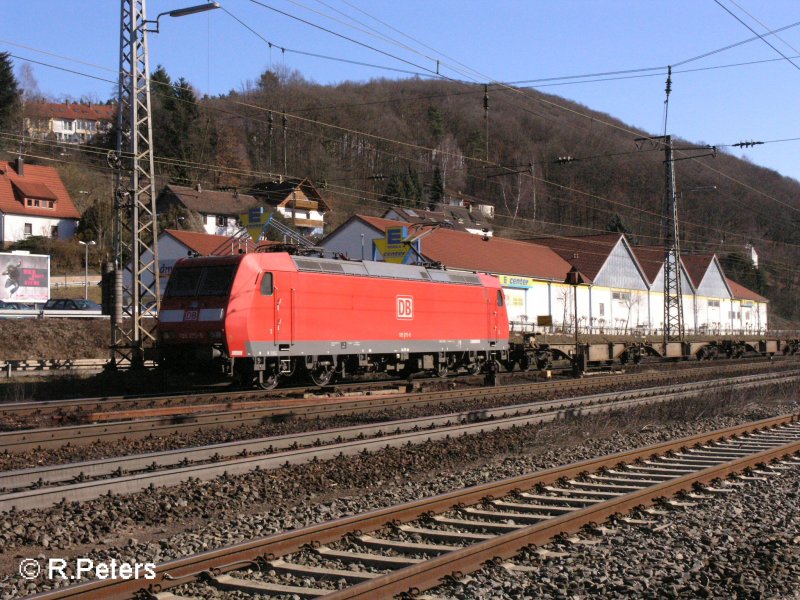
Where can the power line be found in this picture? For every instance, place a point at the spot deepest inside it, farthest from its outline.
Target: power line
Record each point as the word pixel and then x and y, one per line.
pixel 763 38
pixel 344 37
pixel 322 56
pixel 425 148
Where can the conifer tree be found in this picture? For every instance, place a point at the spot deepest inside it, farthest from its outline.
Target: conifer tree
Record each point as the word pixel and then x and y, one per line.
pixel 10 96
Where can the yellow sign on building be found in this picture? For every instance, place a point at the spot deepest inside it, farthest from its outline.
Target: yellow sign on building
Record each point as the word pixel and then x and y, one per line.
pixel 514 281
pixel 254 220
pixel 392 246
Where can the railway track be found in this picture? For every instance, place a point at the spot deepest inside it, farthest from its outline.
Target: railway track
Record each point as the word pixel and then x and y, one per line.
pixel 122 407
pixel 310 408
pixel 45 486
pixel 319 408
pixel 412 547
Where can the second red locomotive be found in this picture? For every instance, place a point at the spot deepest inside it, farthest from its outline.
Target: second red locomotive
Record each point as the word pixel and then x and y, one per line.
pixel 262 316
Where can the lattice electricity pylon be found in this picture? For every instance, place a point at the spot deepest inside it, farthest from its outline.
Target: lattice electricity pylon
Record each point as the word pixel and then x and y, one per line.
pixel 135 227
pixel 673 298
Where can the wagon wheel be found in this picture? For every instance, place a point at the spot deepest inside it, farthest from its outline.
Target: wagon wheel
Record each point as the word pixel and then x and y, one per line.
pixel 321 374
pixel 267 380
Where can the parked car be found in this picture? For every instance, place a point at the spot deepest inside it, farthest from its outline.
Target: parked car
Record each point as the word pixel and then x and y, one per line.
pixel 71 304
pixel 5 305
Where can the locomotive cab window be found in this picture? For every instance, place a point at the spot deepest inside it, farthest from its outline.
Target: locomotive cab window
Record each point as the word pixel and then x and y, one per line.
pixel 499 297
pixel 266 285
pixel 216 281
pixel 201 281
pixel 183 282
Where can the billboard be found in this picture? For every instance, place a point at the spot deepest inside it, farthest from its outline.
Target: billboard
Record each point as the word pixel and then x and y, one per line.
pixel 24 277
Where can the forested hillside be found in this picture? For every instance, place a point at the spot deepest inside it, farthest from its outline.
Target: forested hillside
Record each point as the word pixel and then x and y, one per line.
pixel 548 165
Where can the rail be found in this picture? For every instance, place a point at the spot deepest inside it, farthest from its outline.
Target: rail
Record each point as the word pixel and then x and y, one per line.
pixel 628 479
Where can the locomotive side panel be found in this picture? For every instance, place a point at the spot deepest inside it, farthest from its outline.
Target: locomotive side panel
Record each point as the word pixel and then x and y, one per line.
pixel 344 314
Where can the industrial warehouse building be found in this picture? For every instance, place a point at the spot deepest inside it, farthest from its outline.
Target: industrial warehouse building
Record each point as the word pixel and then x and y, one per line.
pixel 622 292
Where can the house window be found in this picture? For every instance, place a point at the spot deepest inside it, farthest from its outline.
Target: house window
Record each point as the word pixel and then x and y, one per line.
pixel 601 308
pixel 620 295
pixel 221 221
pixel 28 229
pixel 713 303
pixel 54 231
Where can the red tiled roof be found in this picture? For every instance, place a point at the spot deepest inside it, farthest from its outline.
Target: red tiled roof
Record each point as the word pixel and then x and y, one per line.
pixel 36 180
pixel 89 112
pixel 207 244
pixel 33 189
pixel 588 253
pixel 651 259
pixel 459 250
pixel 742 293
pixel 697 266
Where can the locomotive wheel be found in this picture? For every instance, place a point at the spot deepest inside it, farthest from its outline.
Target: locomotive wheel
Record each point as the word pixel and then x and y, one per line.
pixel 441 370
pixel 474 368
pixel 524 363
pixel 267 380
pixel 321 375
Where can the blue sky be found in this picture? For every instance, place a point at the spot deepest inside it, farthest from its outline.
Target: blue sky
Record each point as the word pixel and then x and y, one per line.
pixel 504 40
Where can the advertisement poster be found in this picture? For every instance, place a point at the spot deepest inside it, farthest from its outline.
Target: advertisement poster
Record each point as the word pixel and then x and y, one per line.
pixel 24 277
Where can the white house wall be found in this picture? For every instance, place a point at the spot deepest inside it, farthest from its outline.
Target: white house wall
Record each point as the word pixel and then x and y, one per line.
pixel 306 214
pixel 169 251
pixel 231 226
pixel 14 227
pixel 348 240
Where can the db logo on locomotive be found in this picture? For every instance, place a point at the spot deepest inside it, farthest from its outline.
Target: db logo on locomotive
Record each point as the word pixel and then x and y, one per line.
pixel 405 307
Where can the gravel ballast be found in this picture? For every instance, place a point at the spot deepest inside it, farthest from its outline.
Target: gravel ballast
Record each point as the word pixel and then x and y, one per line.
pixel 167 523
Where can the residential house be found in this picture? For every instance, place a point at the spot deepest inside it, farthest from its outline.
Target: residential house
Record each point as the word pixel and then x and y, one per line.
pixel 34 202
pixel 456 211
pixel 70 122
pixel 219 210
pixel 296 200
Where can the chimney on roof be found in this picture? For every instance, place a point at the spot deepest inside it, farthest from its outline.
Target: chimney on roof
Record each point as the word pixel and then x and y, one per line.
pixel 199 187
pixel 20 166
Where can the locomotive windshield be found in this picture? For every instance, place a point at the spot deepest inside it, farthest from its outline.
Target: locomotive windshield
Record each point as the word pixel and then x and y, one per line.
pixel 201 281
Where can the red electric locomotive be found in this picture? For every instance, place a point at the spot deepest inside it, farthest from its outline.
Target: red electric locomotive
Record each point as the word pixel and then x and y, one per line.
pixel 262 316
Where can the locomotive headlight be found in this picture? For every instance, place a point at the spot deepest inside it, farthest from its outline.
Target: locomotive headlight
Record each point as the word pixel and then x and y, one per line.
pixel 215 335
